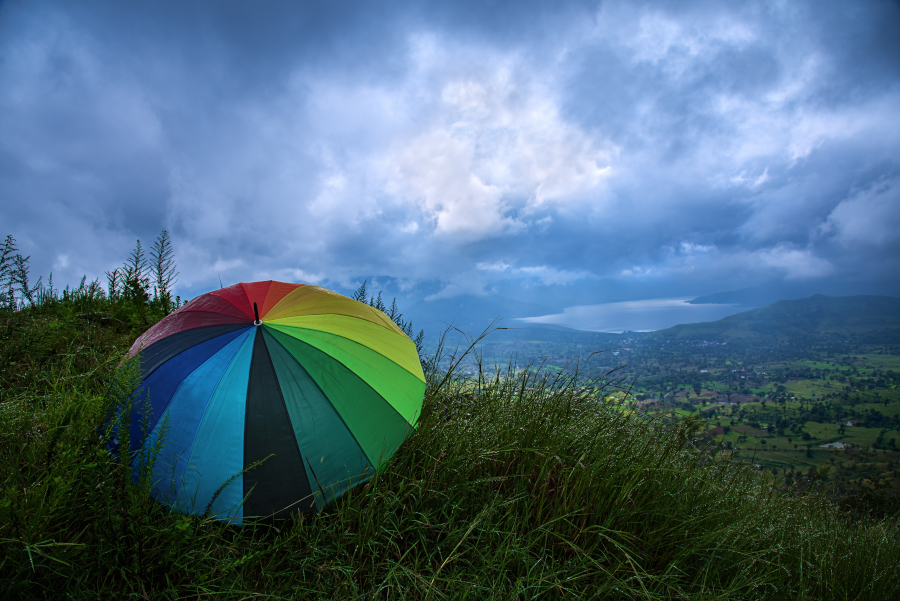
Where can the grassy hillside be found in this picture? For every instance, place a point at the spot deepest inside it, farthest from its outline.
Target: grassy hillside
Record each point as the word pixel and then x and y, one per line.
pixel 872 316
pixel 512 487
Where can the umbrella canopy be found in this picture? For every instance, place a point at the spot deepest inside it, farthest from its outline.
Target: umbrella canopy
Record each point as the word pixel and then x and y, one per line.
pixel 322 387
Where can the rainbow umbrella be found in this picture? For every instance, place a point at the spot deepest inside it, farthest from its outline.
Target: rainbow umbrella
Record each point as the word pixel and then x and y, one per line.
pixel 320 387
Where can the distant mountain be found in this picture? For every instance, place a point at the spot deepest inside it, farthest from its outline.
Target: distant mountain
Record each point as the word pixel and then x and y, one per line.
pixel 818 315
pixel 757 296
pixel 770 292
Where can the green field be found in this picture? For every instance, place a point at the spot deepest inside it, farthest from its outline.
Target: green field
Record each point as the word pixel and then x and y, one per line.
pixel 881 361
pixel 809 388
pixel 891 409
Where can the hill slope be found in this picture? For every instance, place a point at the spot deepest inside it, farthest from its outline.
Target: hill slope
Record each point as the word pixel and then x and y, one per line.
pixel 514 486
pixel 872 316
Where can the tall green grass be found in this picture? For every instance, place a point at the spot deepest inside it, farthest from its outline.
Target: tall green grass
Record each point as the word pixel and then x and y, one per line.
pixel 515 485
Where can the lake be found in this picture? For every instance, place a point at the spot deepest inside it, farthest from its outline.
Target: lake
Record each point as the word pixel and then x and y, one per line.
pixel 637 316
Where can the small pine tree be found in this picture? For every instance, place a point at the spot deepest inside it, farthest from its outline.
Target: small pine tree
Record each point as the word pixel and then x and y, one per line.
pixel 420 342
pixel 378 303
pixel 20 275
pixel 114 284
pixel 7 281
pixel 14 277
pixel 162 267
pixel 135 283
pixel 393 313
pixel 360 294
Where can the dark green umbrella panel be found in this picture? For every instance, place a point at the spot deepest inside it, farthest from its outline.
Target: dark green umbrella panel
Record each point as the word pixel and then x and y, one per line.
pixel 321 387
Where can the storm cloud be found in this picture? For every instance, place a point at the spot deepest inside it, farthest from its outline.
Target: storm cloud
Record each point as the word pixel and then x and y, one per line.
pixel 558 151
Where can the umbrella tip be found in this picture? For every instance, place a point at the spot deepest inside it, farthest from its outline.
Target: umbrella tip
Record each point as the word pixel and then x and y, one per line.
pixel 256 314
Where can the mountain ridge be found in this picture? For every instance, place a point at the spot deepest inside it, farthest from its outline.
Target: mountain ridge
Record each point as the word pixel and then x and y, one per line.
pixel 784 320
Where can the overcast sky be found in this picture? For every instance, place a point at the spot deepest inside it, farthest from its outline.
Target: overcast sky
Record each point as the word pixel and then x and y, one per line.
pixel 572 153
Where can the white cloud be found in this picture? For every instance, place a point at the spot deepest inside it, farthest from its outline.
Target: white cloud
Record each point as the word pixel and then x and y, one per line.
pixel 813 128
pixel 675 43
pixel 682 258
pixel 435 171
pixel 464 286
pixel 709 261
pixel 468 145
pixel 546 274
pixel 692 248
pixel 869 217
pixel 477 282
pixel 292 275
pixel 226 264
pixel 743 179
pixel 550 276
pixel 494 150
pixel 496 266
pixel 61 262
pixel 794 263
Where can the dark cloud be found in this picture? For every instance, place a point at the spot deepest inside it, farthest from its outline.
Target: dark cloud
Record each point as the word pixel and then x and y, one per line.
pixel 568 152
